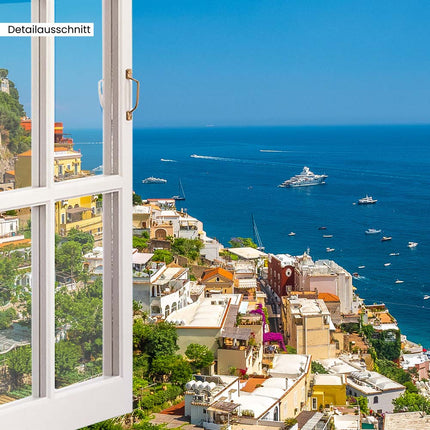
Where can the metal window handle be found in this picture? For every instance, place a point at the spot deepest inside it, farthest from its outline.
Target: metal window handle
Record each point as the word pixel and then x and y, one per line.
pixel 129 75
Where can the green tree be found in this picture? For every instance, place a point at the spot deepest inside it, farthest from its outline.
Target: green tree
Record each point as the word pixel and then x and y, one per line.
pixel 137 200
pixel 189 248
pixel 200 356
pixel 18 364
pixel 162 340
pixel 242 242
pixel 67 355
pixel 317 367
pixel 173 368
pixel 9 265
pixel 411 402
pixel 86 240
pixel 140 243
pixel 390 370
pixel 68 258
pixel 363 403
pixel 6 318
pixel 82 312
pixel 162 255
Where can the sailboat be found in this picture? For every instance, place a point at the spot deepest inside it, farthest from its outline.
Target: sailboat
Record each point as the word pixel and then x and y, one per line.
pixel 256 234
pixel 181 194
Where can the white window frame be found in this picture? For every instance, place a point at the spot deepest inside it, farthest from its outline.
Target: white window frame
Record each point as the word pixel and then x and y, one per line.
pixel 111 394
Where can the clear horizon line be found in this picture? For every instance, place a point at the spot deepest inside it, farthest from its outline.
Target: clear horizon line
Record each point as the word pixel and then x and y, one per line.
pixel 209 126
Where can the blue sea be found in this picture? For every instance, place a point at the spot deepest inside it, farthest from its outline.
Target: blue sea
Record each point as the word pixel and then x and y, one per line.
pixel 238 173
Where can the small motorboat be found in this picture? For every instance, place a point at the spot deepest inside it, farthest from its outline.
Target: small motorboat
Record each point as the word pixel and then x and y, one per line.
pixel 412 244
pixel 393 254
pixel 398 281
pixel 426 297
pixel 322 228
pixel 329 249
pixel 368 200
pixel 385 238
pixel 387 264
pixel 355 274
pixel 361 267
pixel 327 235
pixel 291 233
pixel 372 231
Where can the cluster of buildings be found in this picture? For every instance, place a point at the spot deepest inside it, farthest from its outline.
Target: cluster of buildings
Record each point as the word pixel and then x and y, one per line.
pixel 252 380
pixel 247 310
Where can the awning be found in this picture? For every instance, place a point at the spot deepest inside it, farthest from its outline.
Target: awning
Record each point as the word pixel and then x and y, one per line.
pixel 221 406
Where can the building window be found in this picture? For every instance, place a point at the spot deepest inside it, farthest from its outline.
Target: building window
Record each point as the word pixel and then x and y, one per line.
pixel 52 401
pixel 314 403
pixel 375 400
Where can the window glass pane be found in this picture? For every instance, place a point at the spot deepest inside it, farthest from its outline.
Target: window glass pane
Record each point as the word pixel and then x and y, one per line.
pixel 79 289
pixel 78 136
pixel 15 102
pixel 15 305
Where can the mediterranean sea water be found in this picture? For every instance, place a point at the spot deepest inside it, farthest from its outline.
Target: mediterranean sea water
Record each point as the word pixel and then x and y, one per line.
pixel 237 175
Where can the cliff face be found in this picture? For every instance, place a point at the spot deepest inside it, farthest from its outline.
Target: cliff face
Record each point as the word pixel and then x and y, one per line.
pixel 13 138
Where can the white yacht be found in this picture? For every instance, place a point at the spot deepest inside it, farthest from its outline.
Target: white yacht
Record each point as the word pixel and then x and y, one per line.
pixel 304 179
pixel 368 200
pixel 412 244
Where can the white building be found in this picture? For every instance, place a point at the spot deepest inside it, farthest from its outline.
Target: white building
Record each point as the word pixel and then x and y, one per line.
pixel 379 390
pixel 159 288
pixel 9 226
pixel 327 277
pixel 213 401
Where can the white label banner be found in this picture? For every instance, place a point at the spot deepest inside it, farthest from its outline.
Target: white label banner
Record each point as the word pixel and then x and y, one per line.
pixel 55 29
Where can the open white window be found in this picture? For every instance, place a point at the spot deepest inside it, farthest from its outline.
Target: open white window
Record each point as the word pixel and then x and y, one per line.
pixel 65 230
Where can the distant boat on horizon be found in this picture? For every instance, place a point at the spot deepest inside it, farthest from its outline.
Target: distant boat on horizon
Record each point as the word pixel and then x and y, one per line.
pixel 372 231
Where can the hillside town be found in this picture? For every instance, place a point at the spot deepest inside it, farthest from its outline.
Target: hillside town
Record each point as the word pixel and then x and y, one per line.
pixel 225 337
pixel 290 342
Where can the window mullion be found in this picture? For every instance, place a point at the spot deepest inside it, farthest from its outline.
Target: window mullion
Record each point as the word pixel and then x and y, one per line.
pixel 43 176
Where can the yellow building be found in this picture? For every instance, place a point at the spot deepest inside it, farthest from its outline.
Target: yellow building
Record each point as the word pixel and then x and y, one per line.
pixel 82 213
pixel 327 391
pixel 218 280
pixel 67 165
pixel 308 327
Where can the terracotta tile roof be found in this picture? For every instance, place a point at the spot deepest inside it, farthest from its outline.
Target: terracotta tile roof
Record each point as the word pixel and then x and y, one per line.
pixel 217 271
pixel 251 384
pixel 328 297
pixel 16 242
pixel 11 172
pixel 178 409
pixel 385 318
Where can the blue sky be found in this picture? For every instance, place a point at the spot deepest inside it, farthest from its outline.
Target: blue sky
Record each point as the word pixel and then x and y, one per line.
pixel 254 62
